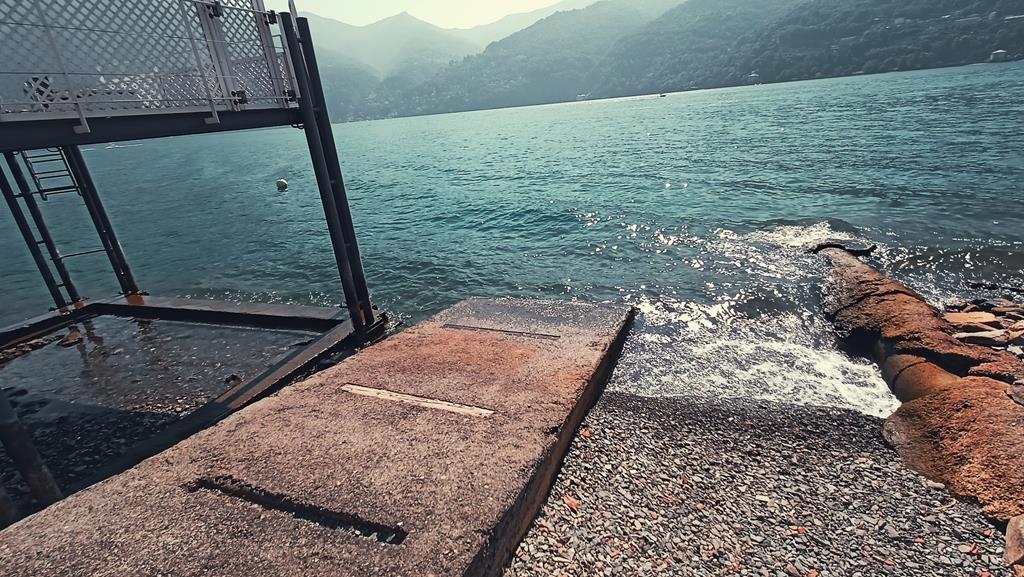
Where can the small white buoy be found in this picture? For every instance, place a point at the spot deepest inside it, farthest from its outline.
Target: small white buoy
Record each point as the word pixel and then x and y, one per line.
pixel 282 184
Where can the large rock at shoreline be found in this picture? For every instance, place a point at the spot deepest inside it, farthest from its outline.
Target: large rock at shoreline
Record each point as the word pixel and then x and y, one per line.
pixel 1014 553
pixel 962 421
pixel 960 436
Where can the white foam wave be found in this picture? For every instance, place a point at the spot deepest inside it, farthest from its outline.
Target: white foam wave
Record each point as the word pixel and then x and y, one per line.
pixel 760 341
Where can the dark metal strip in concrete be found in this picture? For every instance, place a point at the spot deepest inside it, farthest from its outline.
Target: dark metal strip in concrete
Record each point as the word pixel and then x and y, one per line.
pixel 274 502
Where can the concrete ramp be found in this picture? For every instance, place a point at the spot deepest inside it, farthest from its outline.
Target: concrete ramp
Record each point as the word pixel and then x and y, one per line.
pixel 425 455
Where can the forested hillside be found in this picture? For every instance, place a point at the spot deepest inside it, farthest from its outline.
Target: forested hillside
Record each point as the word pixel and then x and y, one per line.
pixel 695 44
pixel 830 38
pixel 629 47
pixel 547 62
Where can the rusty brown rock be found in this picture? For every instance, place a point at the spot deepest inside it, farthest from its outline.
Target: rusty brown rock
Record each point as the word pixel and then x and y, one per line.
pixel 1014 552
pixel 893 365
pixel 973 328
pixel 970 438
pixel 1008 370
pixel 946 351
pixel 1017 393
pixel 922 379
pixel 960 423
pixel 867 306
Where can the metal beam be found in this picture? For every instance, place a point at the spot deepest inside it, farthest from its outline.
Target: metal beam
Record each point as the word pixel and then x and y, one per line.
pixel 30 241
pixel 323 175
pixel 37 134
pixel 105 230
pixel 271 316
pixel 341 204
pixel 22 451
pixel 44 232
pixel 8 510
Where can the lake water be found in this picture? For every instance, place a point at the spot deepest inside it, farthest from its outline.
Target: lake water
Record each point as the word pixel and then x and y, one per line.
pixel 695 208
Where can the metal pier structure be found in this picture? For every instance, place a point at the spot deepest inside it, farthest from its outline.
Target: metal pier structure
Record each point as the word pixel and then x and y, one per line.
pixel 98 71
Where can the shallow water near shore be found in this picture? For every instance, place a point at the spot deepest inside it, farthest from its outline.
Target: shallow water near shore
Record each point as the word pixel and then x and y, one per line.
pixel 694 208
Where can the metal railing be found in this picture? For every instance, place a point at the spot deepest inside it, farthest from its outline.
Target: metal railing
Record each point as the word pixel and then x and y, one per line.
pixel 83 58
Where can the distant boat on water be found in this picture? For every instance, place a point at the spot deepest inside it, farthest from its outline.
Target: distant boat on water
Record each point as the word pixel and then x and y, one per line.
pixel 999 56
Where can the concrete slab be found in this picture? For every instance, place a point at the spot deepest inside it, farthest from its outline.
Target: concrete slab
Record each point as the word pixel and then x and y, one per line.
pixel 427 454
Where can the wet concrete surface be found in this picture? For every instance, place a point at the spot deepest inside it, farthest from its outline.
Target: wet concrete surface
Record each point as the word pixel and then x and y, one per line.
pixel 116 382
pixel 439 472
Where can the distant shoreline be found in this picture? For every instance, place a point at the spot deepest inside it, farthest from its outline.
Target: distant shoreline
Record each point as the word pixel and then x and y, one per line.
pixel 687 91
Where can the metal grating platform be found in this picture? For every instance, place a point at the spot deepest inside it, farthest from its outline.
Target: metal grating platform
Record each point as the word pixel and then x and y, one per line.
pixel 102 58
pixel 89 71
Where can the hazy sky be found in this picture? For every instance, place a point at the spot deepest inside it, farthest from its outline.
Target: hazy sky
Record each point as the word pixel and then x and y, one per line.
pixel 445 13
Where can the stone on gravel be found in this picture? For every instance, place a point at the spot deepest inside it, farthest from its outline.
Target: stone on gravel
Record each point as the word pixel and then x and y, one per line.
pixel 9 354
pixel 965 432
pixel 71 339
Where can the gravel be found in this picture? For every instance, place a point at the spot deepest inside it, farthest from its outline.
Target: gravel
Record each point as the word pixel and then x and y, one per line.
pixel 676 486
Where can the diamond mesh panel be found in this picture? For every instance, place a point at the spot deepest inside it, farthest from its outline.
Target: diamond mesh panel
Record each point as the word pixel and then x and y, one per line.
pixel 108 56
pixel 247 56
pixel 18 11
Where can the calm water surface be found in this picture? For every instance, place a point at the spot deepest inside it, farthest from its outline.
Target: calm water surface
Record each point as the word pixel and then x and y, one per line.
pixel 694 208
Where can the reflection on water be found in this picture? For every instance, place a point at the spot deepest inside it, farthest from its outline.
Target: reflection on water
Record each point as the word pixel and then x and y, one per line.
pixel 128 364
pixel 111 383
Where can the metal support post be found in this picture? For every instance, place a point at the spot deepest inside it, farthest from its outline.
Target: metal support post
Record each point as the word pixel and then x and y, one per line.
pixel 323 121
pixel 44 232
pixel 8 510
pixel 19 446
pixel 31 242
pixel 80 172
pixel 323 178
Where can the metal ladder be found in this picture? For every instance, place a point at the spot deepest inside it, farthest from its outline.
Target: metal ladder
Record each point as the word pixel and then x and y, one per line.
pixel 49 172
pixel 48 165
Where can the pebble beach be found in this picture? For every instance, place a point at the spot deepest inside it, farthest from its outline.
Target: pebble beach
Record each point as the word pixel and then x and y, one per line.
pixel 680 486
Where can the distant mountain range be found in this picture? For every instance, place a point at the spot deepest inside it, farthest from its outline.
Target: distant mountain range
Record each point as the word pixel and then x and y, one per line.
pixel 587 49
pixel 398 42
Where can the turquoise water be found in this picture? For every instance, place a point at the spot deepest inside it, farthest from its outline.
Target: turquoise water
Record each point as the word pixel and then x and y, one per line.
pixel 693 207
